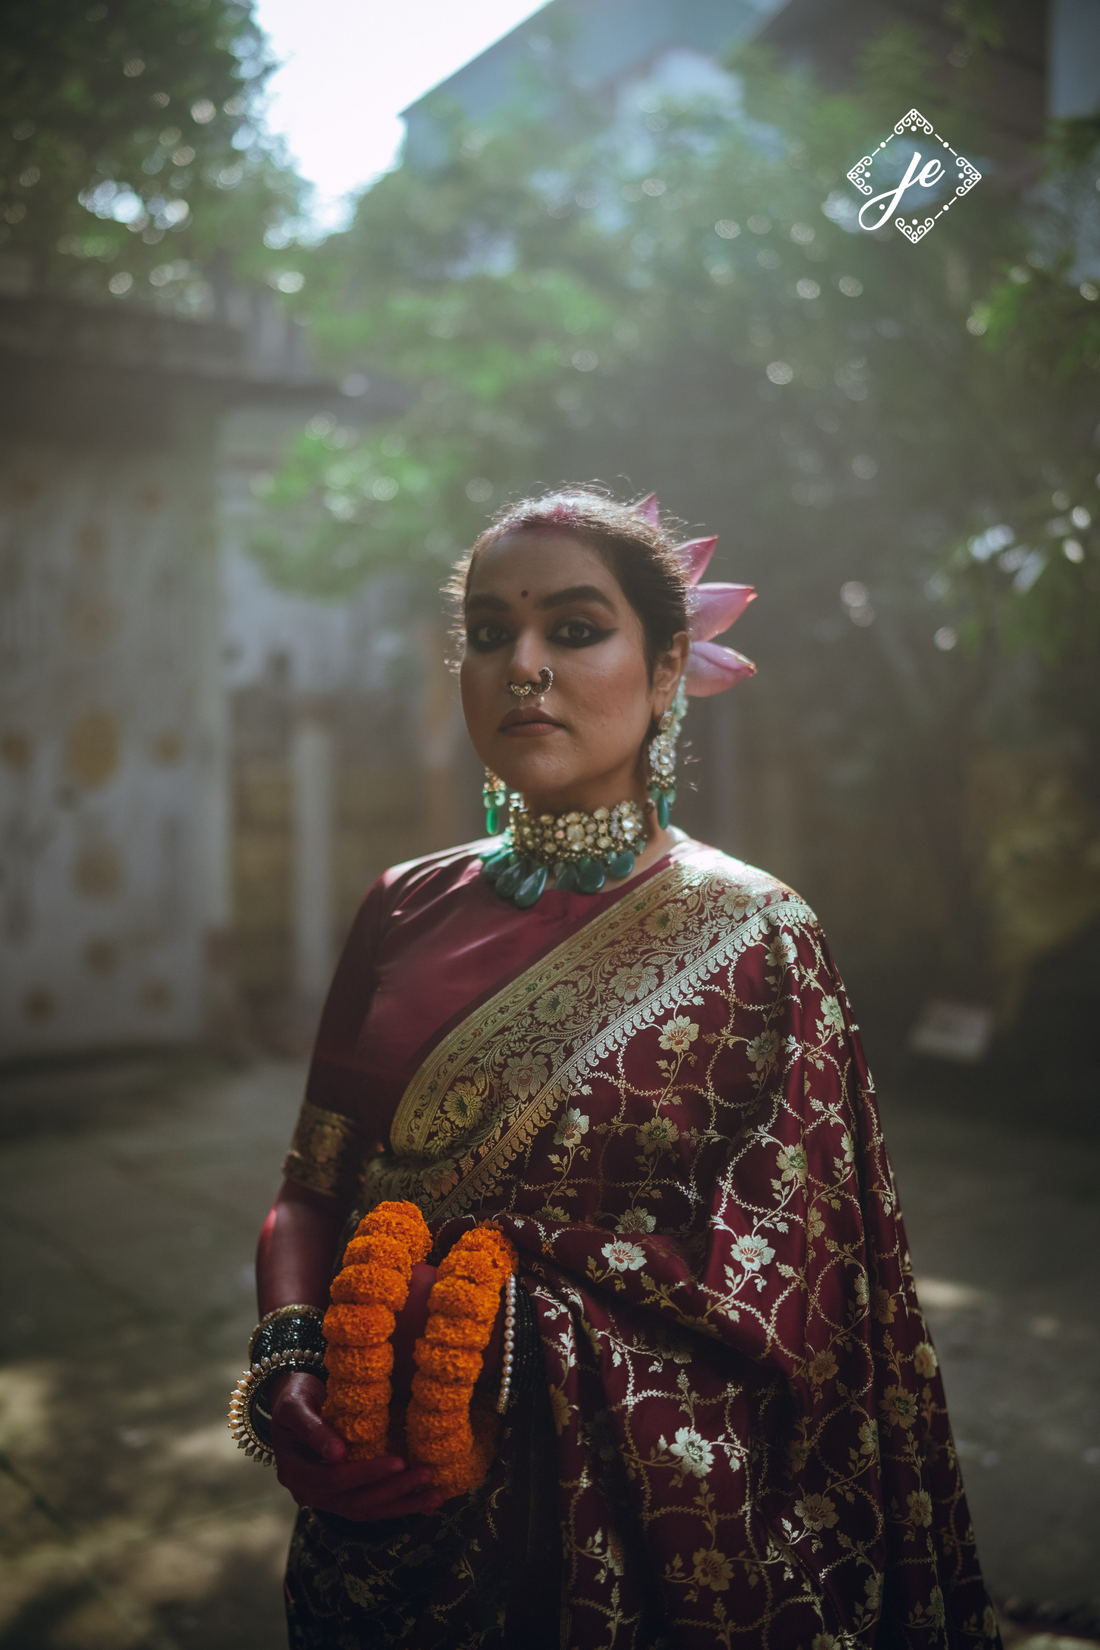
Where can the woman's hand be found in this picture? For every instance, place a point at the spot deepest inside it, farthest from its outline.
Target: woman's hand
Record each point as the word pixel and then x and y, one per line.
pixel 312 1459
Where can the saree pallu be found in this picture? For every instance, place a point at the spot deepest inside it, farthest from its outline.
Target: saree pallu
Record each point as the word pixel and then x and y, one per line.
pixel 743 1438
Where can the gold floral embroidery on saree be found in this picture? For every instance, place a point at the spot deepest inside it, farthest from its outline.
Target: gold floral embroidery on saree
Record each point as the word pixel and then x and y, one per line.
pixel 481 1096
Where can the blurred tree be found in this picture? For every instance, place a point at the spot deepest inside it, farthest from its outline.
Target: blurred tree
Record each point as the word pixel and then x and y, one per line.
pixel 684 301
pixel 131 145
pixel 1040 321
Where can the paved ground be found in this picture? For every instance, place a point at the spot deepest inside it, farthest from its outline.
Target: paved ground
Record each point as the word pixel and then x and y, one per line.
pixel 129 1203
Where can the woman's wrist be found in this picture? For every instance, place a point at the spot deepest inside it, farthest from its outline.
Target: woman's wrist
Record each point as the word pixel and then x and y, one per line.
pixel 289 1338
pixel 291 1383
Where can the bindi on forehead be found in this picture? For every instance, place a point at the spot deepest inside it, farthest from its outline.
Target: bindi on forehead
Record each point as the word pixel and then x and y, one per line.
pixel 523 592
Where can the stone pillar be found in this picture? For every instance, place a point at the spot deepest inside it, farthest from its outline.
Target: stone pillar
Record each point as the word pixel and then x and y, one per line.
pixel 313 775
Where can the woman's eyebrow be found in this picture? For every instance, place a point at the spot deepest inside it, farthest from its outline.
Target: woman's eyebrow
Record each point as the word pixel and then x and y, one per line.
pixel 577 593
pixel 560 598
pixel 481 598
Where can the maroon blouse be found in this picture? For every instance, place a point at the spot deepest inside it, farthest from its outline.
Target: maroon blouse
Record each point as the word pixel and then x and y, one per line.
pixel 431 941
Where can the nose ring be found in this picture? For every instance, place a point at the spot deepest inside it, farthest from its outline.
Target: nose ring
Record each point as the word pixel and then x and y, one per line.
pixel 524 690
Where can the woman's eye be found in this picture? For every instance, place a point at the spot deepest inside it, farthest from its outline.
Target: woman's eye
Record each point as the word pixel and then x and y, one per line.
pixel 483 638
pixel 578 633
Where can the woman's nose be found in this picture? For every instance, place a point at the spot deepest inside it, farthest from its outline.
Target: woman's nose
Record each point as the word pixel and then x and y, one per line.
pixel 527 657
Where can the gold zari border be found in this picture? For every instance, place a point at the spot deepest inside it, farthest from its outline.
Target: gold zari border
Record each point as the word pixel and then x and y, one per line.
pixel 505 1071
pixel 326 1152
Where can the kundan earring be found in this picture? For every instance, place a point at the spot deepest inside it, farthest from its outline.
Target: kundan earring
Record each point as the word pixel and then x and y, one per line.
pixel 494 797
pixel 662 758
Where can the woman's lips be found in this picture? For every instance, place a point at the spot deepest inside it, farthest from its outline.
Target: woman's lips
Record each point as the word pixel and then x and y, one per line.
pixel 528 724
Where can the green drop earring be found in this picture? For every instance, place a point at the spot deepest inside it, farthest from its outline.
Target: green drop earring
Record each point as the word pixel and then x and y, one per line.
pixel 494 796
pixel 662 758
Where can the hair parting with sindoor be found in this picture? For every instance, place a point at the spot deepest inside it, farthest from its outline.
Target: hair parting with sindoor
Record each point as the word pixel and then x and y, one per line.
pixel 637 551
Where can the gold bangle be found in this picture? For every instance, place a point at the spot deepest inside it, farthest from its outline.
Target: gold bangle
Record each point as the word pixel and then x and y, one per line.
pixel 248 1389
pixel 327 1151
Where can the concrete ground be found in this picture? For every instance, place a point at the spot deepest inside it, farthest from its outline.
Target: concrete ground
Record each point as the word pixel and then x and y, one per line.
pixel 130 1197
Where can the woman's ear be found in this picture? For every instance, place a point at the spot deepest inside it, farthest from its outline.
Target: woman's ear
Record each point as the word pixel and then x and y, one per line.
pixel 667 671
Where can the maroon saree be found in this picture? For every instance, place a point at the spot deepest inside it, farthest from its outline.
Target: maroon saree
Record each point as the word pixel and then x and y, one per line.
pixel 662 1098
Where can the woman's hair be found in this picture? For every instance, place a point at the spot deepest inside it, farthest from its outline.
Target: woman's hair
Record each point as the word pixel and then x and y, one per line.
pixel 638 552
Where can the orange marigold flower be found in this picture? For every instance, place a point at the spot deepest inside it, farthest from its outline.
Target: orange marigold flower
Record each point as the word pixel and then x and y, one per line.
pixel 358 1325
pixel 370 1449
pixel 376 1249
pixel 469 1332
pixel 479 1298
pixel 374 1285
pixel 359 1363
pixel 455 1298
pixel 448 1363
pixel 464 1472
pixel 433 1394
pixel 343 1396
pixel 402 1221
pixel 476 1267
pixel 438 1435
pixel 372 1427
pixel 488 1241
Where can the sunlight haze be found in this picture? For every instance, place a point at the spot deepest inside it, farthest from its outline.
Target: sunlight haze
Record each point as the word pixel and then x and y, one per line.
pixel 348 67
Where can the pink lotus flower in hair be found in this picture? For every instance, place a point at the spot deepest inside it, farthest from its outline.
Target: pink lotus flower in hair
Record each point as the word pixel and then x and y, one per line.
pixel 713 669
pixel 713 608
pixel 695 555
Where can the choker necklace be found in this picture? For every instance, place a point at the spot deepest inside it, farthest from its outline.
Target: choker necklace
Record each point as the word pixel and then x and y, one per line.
pixel 582 850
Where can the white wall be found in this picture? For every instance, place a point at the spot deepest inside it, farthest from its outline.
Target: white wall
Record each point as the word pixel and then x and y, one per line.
pixel 113 882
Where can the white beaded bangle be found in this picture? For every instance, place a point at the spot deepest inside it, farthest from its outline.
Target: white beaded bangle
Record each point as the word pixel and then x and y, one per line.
pixel 505 1392
pixel 247 1389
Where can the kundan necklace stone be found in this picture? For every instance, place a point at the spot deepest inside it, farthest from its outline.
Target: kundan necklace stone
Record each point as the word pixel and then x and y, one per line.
pixel 579 850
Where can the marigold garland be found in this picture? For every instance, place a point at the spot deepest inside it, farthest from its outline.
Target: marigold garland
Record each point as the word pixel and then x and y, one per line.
pixel 447 1429
pixel 356 1364
pixel 367 1294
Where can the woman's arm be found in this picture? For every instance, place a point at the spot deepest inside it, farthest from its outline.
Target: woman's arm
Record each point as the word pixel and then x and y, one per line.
pixel 294 1264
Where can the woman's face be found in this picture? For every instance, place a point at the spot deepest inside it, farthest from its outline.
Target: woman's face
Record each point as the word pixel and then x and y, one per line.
pixel 544 599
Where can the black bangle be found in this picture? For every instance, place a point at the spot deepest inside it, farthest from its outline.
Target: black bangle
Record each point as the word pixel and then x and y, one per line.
pixel 290 1338
pixel 286 1328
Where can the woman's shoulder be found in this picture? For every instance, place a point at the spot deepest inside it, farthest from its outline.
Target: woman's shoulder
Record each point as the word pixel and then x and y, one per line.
pixel 448 867
pixel 738 886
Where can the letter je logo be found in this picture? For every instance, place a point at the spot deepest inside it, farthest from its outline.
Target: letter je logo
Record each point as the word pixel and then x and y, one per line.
pixel 952 175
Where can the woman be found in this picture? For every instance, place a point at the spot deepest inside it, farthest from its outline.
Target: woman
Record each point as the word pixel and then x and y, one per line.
pixel 737 1432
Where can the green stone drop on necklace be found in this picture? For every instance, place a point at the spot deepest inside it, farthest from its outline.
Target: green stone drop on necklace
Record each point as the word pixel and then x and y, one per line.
pixel 580 851
pixel 495 862
pixel 508 882
pixel 532 886
pixel 591 876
